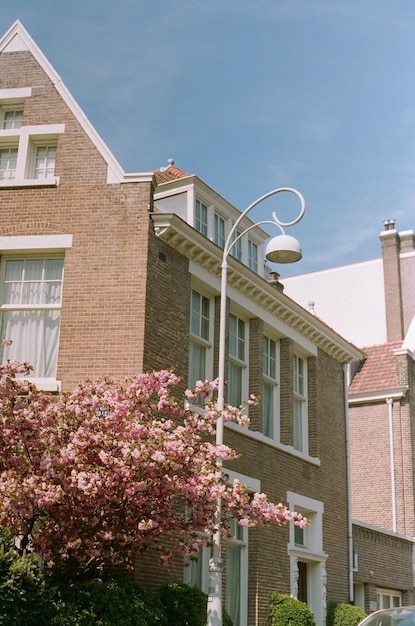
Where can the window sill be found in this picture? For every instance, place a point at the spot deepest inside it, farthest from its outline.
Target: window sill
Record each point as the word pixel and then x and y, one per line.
pixel 31 182
pixel 254 434
pixel 46 384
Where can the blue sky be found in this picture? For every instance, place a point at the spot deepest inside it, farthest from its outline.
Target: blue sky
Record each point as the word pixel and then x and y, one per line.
pixel 251 95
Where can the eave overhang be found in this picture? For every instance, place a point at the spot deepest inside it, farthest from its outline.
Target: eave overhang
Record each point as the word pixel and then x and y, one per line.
pixel 377 395
pixel 201 251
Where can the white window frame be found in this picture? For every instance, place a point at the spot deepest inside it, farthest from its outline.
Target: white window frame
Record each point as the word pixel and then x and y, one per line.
pixel 394 596
pixel 196 336
pixel 236 250
pixel 199 569
pixel 9 170
pixel 239 361
pixel 253 255
pixel 9 108
pixel 300 405
pixel 28 139
pixel 311 552
pixel 240 543
pixel 200 224
pixel 41 246
pixel 219 229
pixel 271 427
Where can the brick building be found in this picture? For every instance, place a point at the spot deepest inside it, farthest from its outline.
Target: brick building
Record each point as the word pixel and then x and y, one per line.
pixel 374 301
pixel 108 273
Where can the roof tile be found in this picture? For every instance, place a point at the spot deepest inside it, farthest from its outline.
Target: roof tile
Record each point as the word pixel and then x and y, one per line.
pixel 378 370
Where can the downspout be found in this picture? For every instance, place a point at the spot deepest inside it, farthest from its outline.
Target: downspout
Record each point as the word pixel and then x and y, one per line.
pixel 389 402
pixel 349 485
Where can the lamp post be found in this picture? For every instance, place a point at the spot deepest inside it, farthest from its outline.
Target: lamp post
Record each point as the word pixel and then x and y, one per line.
pixel 280 249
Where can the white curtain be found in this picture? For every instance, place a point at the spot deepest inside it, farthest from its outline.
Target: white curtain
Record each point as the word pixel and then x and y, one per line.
pixel 233 581
pixel 34 332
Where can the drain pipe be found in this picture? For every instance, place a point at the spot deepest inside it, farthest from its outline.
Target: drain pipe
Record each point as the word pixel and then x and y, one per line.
pixel 389 402
pixel 349 485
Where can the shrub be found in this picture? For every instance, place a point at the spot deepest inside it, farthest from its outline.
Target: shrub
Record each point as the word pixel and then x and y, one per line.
pixel 289 611
pixel 23 598
pixel 342 614
pixel 184 604
pixel 113 601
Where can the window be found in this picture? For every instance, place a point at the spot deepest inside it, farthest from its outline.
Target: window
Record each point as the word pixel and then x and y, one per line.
pixel 30 311
pixel 45 157
pixel 12 118
pixel 27 152
pixel 237 360
pixel 201 218
pixel 300 419
pixel 219 231
pixel 388 598
pixel 236 574
pixel 252 256
pixel 199 345
pixel 236 250
pixel 269 393
pixel 8 163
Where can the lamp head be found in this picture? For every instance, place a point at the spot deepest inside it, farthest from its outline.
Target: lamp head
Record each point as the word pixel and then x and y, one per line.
pixel 283 249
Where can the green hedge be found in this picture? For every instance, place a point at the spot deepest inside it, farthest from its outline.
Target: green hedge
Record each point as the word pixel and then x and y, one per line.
pixel 186 605
pixel 343 614
pixel 289 611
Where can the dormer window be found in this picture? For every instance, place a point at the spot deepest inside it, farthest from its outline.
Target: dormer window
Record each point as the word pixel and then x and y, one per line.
pixel 201 218
pixel 252 255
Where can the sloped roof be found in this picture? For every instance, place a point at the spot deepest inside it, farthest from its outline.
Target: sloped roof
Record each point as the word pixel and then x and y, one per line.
pixel 167 174
pixel 379 369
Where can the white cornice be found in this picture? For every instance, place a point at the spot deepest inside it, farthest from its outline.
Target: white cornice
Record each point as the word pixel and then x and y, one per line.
pixel 17 39
pixel 197 248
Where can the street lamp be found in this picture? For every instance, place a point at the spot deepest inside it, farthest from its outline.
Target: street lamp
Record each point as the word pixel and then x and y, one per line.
pixel 280 249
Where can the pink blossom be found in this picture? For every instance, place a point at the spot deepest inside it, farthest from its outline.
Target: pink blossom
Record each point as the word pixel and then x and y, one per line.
pixel 79 469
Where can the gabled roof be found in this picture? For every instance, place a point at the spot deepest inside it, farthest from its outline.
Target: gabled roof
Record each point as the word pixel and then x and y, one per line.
pixel 379 369
pixel 17 39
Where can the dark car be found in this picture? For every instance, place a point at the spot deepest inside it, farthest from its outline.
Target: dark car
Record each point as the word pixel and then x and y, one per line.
pixel 400 616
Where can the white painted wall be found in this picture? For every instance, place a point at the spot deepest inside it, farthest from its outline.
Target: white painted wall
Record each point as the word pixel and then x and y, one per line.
pixel 349 298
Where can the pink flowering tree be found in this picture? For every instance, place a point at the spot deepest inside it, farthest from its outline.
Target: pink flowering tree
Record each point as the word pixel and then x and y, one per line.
pixel 104 472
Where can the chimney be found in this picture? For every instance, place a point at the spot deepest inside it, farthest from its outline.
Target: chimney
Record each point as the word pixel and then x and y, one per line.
pixel 274 280
pixel 392 281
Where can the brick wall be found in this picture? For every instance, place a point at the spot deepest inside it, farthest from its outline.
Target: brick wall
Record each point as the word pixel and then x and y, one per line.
pixel 103 306
pixel 376 571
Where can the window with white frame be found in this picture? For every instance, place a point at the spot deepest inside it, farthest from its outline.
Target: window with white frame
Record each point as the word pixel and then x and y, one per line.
pixel 44 161
pixel 27 152
pixel 8 162
pixel 270 387
pixel 219 230
pixel 11 117
pixel 252 255
pixel 300 417
pixel 388 598
pixel 236 574
pixel 201 218
pixel 237 360
pixel 200 342
pixel 31 292
pixel 236 250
